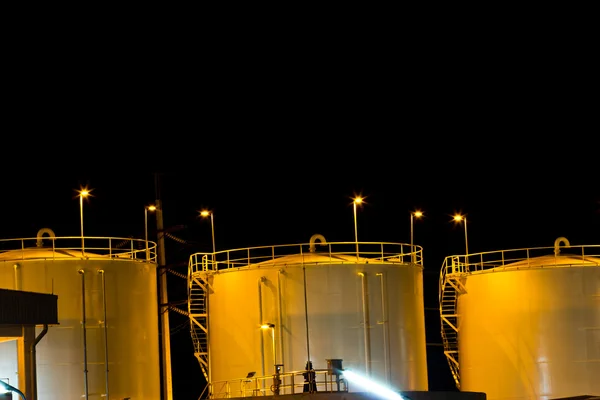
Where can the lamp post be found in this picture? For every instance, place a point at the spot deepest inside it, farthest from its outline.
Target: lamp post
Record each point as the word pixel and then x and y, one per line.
pixel 205 213
pixel 459 218
pixel 82 193
pixel 415 214
pixel 146 209
pixel 356 201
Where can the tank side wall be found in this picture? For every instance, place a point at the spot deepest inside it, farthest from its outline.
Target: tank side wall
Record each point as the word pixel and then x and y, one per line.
pixel 132 327
pixel 531 334
pixel 334 312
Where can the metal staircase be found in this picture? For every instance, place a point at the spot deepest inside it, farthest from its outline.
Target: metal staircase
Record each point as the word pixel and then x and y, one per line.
pixel 450 288
pixel 197 308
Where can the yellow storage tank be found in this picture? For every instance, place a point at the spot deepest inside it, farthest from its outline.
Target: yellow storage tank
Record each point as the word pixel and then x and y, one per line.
pixel 524 324
pixel 106 344
pixel 337 308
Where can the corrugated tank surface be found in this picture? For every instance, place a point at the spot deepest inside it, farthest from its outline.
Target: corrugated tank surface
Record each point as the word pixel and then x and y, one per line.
pixel 531 329
pixel 368 313
pixel 122 355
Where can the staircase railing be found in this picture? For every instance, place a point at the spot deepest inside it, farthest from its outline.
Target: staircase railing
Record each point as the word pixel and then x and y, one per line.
pixel 197 308
pixel 450 289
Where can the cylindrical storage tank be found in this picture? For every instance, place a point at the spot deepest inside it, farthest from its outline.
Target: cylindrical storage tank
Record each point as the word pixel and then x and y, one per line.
pixel 366 313
pixel 106 344
pixel 529 328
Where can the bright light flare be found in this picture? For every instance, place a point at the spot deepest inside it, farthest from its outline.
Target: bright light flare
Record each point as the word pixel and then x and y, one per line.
pixel 458 217
pixel 84 192
pixel 151 208
pixel 267 326
pixel 204 213
pixel 418 214
pixel 371 386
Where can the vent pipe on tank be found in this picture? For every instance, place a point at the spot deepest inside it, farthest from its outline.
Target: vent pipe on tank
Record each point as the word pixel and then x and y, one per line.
pixel 557 243
pixel 85 363
pixel 17 269
pixel 40 235
pixel 313 240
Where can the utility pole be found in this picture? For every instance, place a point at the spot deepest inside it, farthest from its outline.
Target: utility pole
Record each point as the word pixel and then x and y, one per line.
pixel 163 299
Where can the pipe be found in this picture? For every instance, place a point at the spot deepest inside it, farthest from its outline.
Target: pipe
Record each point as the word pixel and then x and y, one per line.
pixel 40 235
pixel 386 327
pixel 260 318
pixel 306 316
pixel 557 243
pixel 101 272
pixel 34 362
pixel 280 316
pixel 17 271
pixel 85 366
pixel 313 240
pixel 366 323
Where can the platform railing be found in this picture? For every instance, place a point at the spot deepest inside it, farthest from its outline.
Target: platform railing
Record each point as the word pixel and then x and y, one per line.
pixel 94 247
pixel 289 383
pixel 564 256
pixel 334 252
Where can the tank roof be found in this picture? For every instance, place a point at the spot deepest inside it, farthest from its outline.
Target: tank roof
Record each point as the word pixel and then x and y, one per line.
pixel 42 253
pixel 563 260
pixel 312 258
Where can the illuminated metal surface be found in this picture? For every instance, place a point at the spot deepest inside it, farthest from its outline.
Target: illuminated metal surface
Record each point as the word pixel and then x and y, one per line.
pixel 528 321
pixel 368 312
pixel 118 282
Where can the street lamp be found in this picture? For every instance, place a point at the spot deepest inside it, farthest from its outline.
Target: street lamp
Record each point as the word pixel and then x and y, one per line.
pixel 416 214
pixel 205 213
pixel 356 201
pixel 272 328
pixel 83 192
pixel 146 209
pixel 459 218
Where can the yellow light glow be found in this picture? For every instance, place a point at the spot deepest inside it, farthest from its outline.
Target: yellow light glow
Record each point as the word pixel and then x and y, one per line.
pixel 205 213
pixel 267 326
pixel 458 217
pixel 151 208
pixel 418 214
pixel 358 200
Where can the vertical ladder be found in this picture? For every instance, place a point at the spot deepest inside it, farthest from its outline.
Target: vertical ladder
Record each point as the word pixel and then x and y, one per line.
pixel 197 307
pixel 450 289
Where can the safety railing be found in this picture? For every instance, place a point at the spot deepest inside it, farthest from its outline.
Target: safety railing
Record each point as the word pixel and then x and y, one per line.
pixel 537 257
pixel 88 247
pixel 283 383
pixel 326 253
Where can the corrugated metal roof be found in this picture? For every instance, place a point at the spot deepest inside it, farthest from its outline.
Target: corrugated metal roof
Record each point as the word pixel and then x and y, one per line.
pixel 28 308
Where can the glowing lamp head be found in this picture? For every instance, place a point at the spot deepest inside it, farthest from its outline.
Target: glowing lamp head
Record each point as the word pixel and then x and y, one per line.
pixel 204 213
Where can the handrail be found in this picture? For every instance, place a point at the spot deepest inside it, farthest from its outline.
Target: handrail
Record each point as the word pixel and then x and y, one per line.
pixel 332 252
pixel 96 247
pixel 525 258
pixel 291 382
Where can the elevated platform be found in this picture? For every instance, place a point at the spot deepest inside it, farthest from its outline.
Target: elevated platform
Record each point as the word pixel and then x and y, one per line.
pixel 409 395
